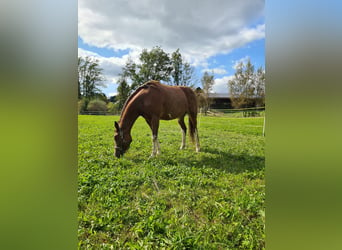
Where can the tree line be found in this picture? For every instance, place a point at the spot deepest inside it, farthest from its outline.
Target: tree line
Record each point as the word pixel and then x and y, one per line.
pixel 90 79
pixel 247 87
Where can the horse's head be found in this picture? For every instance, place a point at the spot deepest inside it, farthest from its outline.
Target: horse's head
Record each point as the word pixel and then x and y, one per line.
pixel 122 141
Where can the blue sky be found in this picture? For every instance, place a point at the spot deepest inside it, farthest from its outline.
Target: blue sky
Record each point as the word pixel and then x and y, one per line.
pixel 212 35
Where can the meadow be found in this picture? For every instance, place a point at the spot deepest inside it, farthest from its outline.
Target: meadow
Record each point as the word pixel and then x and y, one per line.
pixel 180 199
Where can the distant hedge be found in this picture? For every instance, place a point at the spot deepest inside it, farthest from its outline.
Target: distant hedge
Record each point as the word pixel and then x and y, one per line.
pixel 97 105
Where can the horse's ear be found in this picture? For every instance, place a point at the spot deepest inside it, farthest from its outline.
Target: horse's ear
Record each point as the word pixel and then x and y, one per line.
pixel 117 126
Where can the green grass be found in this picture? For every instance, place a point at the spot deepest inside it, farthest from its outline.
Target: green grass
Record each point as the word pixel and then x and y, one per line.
pixel 179 200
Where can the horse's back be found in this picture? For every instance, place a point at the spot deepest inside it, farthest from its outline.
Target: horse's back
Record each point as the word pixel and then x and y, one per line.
pixel 169 102
pixel 165 93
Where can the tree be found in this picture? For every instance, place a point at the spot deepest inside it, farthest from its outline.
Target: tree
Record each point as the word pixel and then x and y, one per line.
pixel 130 71
pixel 177 68
pixel 260 87
pixel 247 88
pixel 158 65
pixel 155 65
pixel 182 73
pixel 124 91
pixel 188 75
pixel 207 85
pixel 79 78
pixel 237 86
pixel 89 77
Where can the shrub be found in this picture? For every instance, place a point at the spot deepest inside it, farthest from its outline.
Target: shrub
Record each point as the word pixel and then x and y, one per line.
pixel 82 105
pixel 112 108
pixel 97 106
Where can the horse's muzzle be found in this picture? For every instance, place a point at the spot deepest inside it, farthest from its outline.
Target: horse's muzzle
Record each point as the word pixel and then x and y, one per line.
pixel 118 152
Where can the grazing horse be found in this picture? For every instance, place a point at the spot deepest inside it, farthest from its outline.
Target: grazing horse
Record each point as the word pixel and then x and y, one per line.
pixel 155 101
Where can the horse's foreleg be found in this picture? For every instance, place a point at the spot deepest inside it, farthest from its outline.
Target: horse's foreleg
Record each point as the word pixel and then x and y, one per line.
pixel 155 146
pixel 182 125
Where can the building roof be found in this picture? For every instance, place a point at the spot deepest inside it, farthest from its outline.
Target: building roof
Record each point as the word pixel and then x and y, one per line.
pixel 218 95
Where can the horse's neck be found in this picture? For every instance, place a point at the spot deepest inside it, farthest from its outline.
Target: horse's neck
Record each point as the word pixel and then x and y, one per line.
pixel 127 120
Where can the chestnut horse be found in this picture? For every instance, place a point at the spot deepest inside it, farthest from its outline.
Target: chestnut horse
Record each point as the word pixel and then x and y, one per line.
pixel 155 101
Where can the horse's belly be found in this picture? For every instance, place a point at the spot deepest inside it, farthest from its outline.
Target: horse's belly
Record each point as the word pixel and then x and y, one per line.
pixel 174 104
pixel 169 116
pixel 173 113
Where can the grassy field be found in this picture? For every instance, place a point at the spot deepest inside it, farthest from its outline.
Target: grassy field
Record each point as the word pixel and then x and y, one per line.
pixel 179 200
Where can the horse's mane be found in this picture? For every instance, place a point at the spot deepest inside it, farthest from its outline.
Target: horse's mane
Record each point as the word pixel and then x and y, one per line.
pixel 136 91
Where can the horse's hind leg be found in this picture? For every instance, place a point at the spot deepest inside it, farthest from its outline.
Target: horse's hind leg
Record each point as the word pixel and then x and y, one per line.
pixel 183 126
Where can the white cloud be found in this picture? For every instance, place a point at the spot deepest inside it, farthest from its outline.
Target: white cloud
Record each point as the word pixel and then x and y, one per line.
pixel 221 84
pixel 199 28
pixel 243 60
pixel 111 66
pixel 218 71
pixel 84 53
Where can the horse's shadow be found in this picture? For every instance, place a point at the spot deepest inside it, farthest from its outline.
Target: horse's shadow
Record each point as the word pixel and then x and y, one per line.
pixel 213 158
pixel 226 161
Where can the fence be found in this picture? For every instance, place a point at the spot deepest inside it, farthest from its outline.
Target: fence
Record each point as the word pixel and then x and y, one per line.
pixel 98 113
pixel 244 112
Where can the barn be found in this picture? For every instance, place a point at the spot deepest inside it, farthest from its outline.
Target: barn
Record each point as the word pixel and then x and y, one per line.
pixel 219 101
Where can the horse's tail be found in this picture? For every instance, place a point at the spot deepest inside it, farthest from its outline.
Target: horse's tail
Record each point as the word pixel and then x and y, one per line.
pixel 192 111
